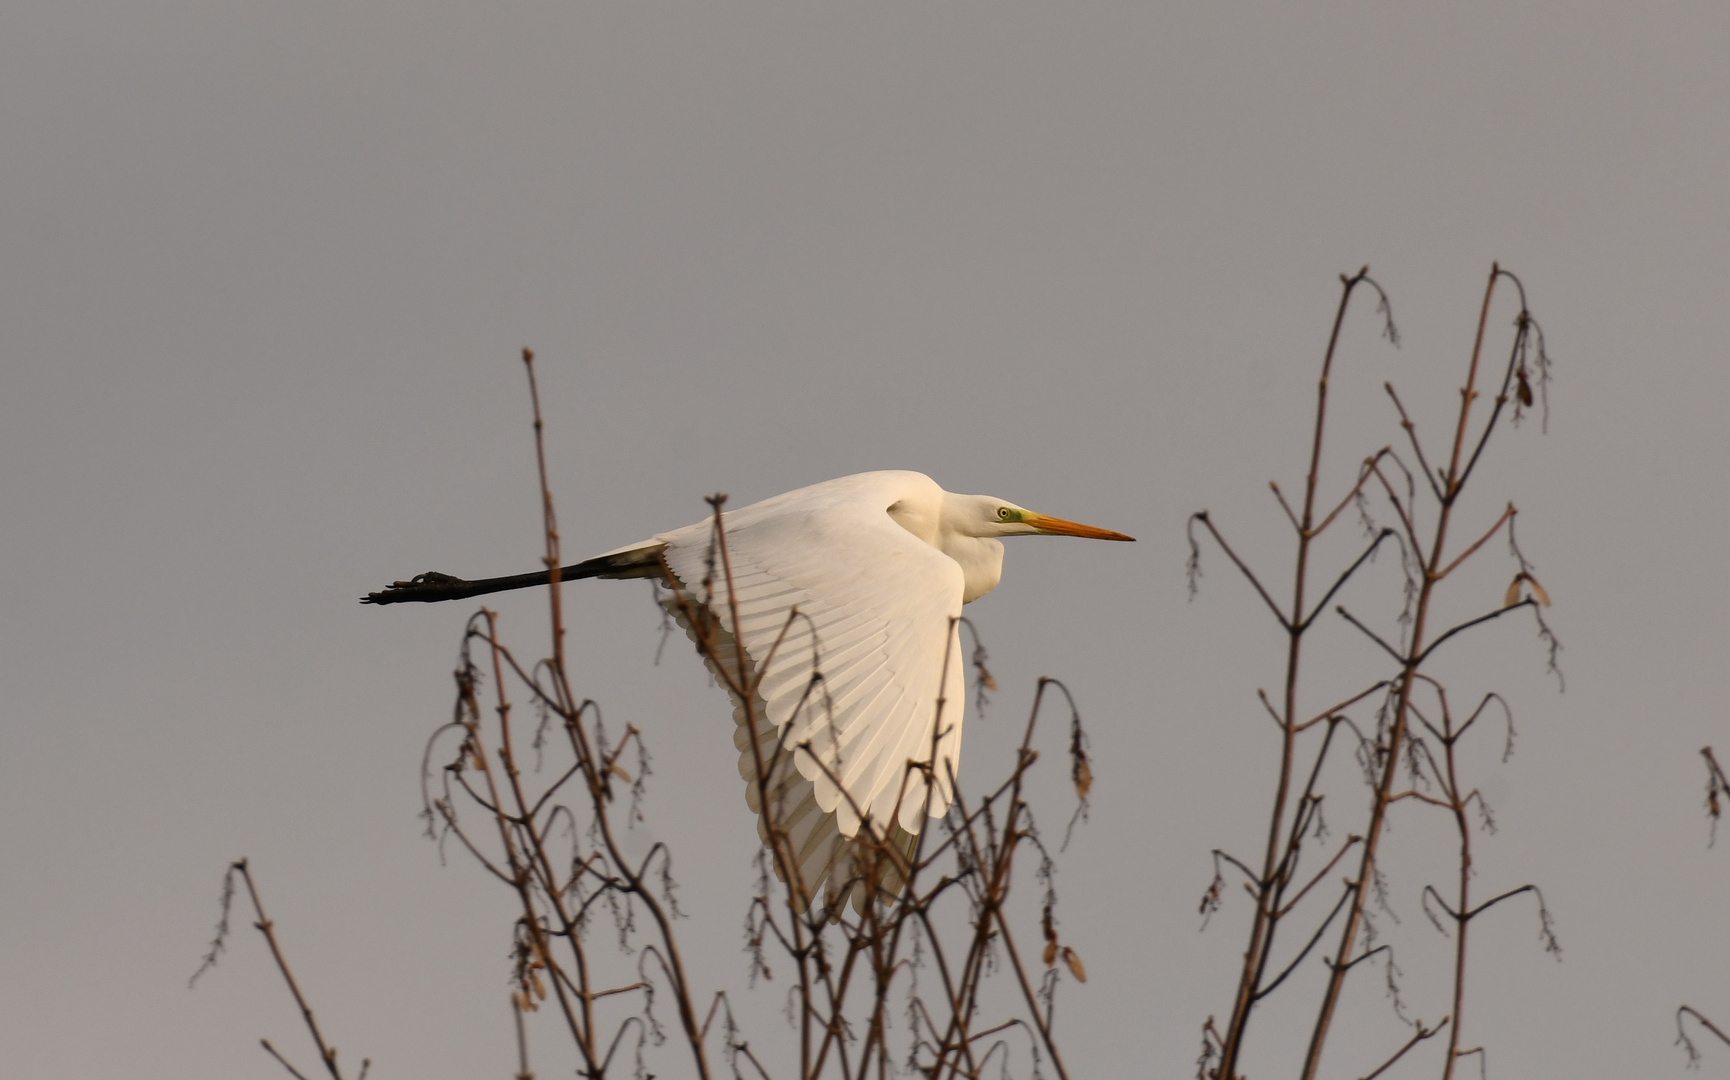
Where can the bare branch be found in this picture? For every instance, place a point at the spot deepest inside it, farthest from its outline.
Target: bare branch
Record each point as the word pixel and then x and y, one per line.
pixel 1291 517
pixel 1686 1043
pixel 1368 552
pixel 1371 634
pixel 1412 434
pixel 326 1052
pixel 1351 842
pixel 1202 516
pixel 1507 515
pixel 272 1051
pixel 1418 1036
pixel 1468 624
pixel 1345 894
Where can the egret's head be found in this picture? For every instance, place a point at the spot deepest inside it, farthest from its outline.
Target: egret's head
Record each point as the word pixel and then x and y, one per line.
pixel 994 517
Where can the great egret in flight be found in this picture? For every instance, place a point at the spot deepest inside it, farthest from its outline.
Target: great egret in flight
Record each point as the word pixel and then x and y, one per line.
pixel 876 567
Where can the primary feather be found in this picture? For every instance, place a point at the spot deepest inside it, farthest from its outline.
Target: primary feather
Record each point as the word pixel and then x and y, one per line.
pixel 859 615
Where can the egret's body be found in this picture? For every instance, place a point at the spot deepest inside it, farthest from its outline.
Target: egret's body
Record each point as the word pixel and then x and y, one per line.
pixel 850 591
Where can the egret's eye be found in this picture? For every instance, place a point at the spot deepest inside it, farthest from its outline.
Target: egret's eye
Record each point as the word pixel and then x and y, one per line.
pixel 1003 513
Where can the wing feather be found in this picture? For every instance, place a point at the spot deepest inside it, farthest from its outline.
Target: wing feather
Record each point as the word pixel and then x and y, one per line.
pixel 858 615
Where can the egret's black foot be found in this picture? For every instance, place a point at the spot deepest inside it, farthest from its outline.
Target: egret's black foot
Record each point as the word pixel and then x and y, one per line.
pixel 427 587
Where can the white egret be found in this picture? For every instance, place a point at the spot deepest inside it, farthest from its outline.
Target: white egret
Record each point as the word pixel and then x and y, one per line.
pixel 860 581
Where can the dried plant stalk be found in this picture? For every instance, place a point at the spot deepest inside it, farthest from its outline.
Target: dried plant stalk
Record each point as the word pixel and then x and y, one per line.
pixel 241 869
pixel 1423 518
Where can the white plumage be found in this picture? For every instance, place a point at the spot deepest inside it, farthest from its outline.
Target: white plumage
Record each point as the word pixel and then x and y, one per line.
pixel 861 581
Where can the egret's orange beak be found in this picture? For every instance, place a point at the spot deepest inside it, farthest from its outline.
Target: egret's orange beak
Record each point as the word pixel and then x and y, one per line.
pixel 1060 527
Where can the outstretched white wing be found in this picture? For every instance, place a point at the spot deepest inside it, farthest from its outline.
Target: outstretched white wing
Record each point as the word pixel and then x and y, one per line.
pixel 864 613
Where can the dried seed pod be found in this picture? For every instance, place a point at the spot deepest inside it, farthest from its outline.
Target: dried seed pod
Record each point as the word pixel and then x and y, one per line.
pixel 1074 962
pixel 1538 591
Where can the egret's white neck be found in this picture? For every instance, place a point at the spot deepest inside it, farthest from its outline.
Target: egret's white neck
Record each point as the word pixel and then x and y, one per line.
pixel 981 560
pixel 949 523
pixel 960 522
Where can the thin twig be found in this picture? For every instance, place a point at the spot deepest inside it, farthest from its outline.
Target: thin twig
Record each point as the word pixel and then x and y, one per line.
pixel 272 1051
pixel 1417 1037
pixel 326 1052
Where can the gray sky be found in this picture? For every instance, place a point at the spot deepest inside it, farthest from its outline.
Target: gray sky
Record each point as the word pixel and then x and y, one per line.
pixel 267 269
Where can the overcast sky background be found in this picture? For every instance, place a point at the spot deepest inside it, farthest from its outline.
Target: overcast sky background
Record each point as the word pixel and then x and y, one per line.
pixel 267 269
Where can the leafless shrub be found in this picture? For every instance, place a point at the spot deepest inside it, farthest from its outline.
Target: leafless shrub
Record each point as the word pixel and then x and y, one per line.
pixel 1409 753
